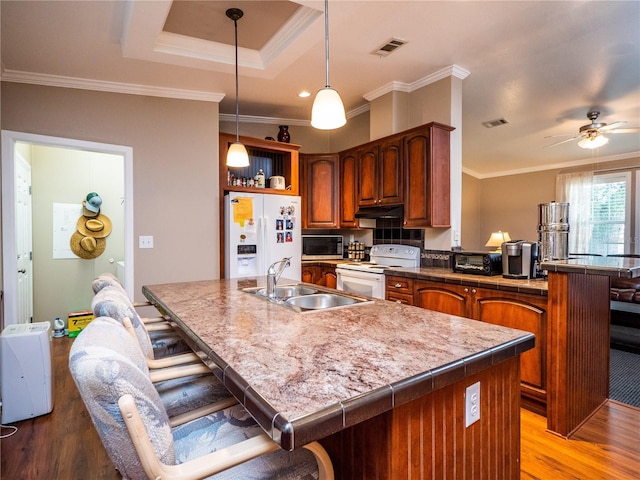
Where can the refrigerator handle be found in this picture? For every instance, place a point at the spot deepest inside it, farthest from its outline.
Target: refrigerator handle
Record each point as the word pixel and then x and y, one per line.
pixel 264 241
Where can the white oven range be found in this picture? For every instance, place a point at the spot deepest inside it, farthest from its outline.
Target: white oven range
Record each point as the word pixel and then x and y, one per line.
pixel 367 278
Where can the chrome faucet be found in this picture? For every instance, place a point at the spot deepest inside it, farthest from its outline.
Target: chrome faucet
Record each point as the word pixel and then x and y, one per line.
pixel 273 275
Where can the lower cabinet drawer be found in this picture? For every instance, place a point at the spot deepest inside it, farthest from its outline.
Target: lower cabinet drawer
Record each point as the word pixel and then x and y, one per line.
pixel 404 298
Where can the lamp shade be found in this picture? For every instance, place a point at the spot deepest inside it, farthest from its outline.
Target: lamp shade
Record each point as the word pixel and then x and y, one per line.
pixel 237 155
pixel 328 111
pixel 497 239
pixel 592 142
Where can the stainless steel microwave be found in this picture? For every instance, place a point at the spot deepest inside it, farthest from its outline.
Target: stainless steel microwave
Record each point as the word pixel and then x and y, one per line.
pixel 322 247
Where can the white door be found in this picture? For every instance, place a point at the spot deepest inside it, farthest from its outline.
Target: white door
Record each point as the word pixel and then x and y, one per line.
pixel 24 239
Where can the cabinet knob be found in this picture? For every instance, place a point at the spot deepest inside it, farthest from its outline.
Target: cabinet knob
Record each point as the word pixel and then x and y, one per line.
pixel 473 291
pixel 466 290
pixel 398 285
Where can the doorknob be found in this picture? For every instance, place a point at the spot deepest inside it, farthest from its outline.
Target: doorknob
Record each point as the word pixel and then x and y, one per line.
pixel 22 271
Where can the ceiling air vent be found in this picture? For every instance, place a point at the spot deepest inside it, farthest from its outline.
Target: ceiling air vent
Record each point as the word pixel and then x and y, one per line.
pixel 389 47
pixel 495 123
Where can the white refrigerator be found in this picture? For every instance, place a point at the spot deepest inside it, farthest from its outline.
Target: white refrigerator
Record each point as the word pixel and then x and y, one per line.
pixel 260 229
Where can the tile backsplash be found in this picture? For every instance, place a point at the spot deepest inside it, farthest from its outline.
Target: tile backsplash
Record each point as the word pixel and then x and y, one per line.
pixel 435 258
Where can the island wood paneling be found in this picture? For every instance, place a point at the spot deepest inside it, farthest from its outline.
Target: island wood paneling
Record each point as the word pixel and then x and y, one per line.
pixel 578 360
pixel 427 437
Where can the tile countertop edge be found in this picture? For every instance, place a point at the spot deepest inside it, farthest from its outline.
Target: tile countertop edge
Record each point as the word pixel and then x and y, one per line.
pixel 495 282
pixel 290 434
pixel 621 267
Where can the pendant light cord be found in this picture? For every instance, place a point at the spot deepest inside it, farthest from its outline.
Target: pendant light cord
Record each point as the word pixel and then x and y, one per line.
pixel 235 23
pixel 326 37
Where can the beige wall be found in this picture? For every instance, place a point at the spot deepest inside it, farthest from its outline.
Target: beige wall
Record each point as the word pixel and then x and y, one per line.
pixel 175 169
pixel 510 204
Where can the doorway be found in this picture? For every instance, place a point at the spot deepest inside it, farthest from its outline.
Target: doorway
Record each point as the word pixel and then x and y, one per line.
pixel 55 168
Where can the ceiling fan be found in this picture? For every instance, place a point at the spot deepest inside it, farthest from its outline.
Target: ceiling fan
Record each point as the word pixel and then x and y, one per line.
pixel 591 135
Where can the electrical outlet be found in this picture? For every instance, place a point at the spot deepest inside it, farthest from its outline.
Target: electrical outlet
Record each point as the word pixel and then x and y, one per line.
pixel 472 404
pixel 145 241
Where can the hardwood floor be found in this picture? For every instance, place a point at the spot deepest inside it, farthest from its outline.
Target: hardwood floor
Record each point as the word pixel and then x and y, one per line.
pixel 65 446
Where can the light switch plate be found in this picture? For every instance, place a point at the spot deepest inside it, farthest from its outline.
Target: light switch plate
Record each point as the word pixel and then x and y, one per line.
pixel 145 241
pixel 472 404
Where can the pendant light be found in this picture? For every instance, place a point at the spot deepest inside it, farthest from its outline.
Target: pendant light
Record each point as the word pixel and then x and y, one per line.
pixel 328 111
pixel 237 155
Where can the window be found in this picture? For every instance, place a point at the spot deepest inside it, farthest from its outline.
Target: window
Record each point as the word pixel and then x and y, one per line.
pixel 610 214
pixel 602 211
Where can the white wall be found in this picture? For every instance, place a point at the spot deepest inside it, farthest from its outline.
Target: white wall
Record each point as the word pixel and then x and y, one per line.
pixel 66 176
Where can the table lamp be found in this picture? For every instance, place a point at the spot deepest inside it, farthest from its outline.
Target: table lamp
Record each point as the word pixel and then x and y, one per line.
pixel 497 239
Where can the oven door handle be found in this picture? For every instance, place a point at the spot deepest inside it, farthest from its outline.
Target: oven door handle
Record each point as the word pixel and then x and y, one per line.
pixel 345 273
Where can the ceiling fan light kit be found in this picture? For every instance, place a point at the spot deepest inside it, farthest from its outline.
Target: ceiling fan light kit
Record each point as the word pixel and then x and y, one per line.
pixel 593 141
pixel 327 112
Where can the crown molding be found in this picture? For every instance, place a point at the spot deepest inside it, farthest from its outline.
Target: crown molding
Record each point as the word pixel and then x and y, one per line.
pixel 231 117
pixel 104 86
pixel 450 71
pixel 553 166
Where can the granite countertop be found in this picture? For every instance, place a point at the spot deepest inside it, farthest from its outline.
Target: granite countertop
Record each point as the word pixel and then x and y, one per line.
pixel 304 376
pixel 622 267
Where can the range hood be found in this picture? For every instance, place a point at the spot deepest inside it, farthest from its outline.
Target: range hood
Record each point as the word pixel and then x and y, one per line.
pixel 383 211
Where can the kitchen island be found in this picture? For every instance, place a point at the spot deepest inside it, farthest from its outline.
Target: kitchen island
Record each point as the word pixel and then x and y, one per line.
pixel 566 376
pixel 381 385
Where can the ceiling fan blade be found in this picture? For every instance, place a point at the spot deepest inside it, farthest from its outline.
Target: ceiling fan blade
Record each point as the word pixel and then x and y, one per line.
pixel 563 141
pixel 611 126
pixel 562 135
pixel 625 130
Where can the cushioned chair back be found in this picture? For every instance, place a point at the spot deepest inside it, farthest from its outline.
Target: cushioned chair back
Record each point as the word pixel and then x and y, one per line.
pixel 113 302
pixel 106 363
pixel 105 280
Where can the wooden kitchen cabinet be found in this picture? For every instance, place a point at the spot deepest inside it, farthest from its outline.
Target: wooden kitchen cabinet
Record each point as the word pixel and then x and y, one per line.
pixel 427 176
pixel 320 187
pixel 319 275
pixel 510 309
pixel 348 193
pixel 399 289
pixel 381 172
pixel 328 277
pixel 309 274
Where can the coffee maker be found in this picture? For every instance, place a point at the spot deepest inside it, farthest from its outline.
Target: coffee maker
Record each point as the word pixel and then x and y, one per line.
pixel 519 259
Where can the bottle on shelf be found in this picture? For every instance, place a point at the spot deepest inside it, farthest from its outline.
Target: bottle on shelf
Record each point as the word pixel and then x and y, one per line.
pixel 259 179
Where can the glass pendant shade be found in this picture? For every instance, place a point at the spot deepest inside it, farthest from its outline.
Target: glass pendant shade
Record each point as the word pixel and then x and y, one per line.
pixel 593 142
pixel 328 111
pixel 237 155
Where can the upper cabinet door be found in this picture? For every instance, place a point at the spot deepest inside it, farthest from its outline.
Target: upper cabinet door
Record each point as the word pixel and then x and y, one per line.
pixel 427 191
pixel 368 175
pixel 348 189
pixel 320 191
pixel 390 172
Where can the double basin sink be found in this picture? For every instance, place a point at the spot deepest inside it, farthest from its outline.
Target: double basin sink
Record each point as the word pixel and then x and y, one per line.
pixel 305 298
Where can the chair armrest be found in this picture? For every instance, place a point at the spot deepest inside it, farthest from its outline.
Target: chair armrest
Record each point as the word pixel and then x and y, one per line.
pixel 158 327
pixel 147 320
pixel 142 304
pixel 173 361
pixel 178 372
pixel 201 412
